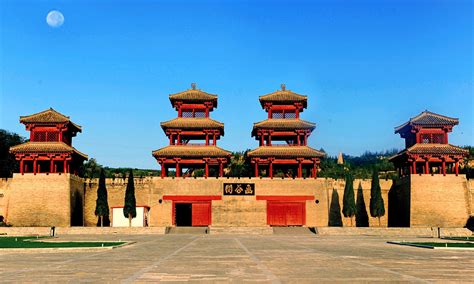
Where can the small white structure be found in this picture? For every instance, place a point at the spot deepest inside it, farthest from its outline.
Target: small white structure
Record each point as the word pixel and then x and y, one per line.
pixel 141 220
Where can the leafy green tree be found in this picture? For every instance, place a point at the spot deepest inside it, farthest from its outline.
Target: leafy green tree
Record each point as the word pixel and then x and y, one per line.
pixel 239 166
pixel 130 206
pixel 377 208
pixel 101 204
pixel 335 219
pixel 91 169
pixel 362 219
pixel 348 202
pixel 8 164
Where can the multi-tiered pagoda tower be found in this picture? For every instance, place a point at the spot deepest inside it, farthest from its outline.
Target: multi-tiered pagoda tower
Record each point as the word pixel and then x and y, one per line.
pixel 50 147
pixel 426 146
pixel 193 123
pixel 293 157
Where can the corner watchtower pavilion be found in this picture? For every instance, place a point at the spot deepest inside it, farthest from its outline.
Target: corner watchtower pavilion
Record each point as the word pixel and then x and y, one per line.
pixel 283 136
pixel 50 147
pixel 192 124
pixel 426 146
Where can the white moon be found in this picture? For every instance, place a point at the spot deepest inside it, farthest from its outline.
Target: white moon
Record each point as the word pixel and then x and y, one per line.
pixel 55 19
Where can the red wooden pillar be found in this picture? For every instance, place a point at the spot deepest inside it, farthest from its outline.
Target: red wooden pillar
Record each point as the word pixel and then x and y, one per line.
pixel 64 166
pixel 427 167
pixel 261 140
pixel 22 169
pixel 300 168
pixel 34 166
pixel 256 168
pixel 171 139
pixel 214 139
pixel 179 139
pixel 305 139
pixel 163 170
pixel 206 171
pixel 180 112
pixel 269 141
pixel 178 169
pixel 456 168
pixel 221 168
pixel 51 165
pixel 315 170
pixel 270 169
pixel 414 167
pixel 207 139
pixel 443 167
pixel 298 137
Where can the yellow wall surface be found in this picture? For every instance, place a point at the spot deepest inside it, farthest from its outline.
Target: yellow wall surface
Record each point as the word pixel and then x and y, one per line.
pixel 230 210
pixel 441 201
pixel 64 200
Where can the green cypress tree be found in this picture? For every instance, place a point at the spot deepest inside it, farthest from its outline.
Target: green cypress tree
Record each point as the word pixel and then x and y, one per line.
pixel 130 206
pixel 101 204
pixel 377 208
pixel 348 201
pixel 362 219
pixel 335 219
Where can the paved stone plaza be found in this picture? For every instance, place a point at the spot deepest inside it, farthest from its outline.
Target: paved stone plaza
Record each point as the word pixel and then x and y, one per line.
pixel 222 258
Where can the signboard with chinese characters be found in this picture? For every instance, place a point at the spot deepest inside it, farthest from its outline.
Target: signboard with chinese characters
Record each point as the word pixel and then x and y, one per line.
pixel 239 189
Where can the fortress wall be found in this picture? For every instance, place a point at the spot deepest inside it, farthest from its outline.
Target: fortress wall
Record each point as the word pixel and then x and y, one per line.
pixel 230 210
pixel 441 201
pixel 39 200
pixel 4 197
pixel 385 186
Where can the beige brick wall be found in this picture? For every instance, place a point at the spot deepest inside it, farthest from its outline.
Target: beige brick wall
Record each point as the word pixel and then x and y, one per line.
pixel 231 210
pixel 4 197
pixel 438 200
pixel 45 200
pixel 38 200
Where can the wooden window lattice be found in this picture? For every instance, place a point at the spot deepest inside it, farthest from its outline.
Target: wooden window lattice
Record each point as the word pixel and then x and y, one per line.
pixel 432 138
pixel 46 136
pixel 187 114
pixel 277 115
pixel 200 114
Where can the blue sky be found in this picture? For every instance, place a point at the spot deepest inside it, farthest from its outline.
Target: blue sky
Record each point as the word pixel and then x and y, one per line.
pixel 366 67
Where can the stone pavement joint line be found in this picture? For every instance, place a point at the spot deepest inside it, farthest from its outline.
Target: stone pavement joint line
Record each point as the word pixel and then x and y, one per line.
pixel 359 262
pixel 141 272
pixel 260 265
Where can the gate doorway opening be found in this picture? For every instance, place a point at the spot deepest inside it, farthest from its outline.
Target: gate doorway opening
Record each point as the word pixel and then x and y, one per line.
pixel 286 213
pixel 184 213
pixel 195 214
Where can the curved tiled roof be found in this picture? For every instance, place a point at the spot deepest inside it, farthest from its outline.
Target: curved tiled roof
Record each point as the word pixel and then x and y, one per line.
pixel 45 148
pixel 283 124
pixel 429 119
pixel 286 152
pixel 283 96
pixel 193 123
pixel 193 95
pixel 184 151
pixel 421 148
pixel 48 116
pixel 433 149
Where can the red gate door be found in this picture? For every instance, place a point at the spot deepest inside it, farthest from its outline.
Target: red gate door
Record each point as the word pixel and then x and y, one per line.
pixel 201 214
pixel 286 213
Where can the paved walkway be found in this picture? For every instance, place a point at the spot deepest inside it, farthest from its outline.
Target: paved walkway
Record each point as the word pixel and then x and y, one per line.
pixel 276 259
